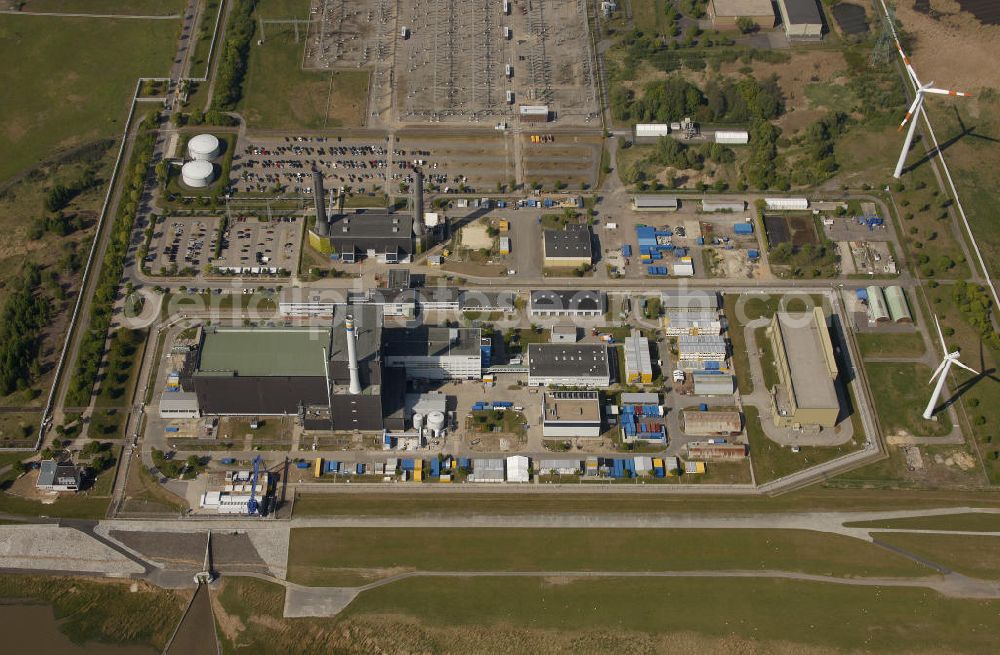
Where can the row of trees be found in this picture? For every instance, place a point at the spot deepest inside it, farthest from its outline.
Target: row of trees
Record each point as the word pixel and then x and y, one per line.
pixel 92 344
pixel 24 315
pixel 233 64
pixel 727 101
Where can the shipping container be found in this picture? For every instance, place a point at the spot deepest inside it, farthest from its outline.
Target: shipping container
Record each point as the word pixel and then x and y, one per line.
pixel 743 228
pixel 171 428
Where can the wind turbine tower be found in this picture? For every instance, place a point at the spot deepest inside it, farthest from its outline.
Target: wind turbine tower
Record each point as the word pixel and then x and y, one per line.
pixel 918 105
pixel 942 372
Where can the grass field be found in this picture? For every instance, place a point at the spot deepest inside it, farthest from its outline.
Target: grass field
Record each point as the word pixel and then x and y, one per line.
pixel 975 164
pixel 772 461
pixel 973 555
pixel 332 557
pixel 18 429
pixel 511 504
pixel 764 612
pixel 278 94
pixel 891 345
pixel 526 615
pixel 902 394
pixel 76 86
pixel 130 7
pixel 970 521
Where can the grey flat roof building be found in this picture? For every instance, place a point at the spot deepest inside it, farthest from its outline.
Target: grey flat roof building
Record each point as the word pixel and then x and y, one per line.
pixel 375 232
pixel 700 301
pixel 432 341
pixel 568 364
pixel 568 302
pixel 655 201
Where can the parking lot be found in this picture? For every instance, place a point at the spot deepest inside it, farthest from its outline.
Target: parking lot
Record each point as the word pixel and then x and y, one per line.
pixel 182 243
pixel 364 166
pixel 260 246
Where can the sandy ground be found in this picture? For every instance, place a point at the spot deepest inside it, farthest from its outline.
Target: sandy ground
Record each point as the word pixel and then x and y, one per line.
pixel 953 49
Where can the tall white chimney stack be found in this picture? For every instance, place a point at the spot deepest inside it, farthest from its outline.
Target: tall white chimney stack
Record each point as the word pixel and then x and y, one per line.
pixel 352 357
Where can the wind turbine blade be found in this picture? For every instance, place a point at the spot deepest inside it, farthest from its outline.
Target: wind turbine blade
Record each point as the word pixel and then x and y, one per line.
pixel 944 348
pixel 947 92
pixel 967 368
pixel 912 110
pixel 941 367
pixel 906 63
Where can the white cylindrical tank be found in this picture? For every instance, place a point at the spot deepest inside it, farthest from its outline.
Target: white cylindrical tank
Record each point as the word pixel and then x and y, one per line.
pixel 418 421
pixel 197 173
pixel 204 146
pixel 435 422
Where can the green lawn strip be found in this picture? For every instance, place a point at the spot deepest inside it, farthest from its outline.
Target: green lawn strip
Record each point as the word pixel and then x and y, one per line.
pixel 907 344
pixel 203 37
pixel 78 506
pixel 124 358
pixel 741 361
pixel 970 521
pixel 836 617
pixel 901 393
pixel 772 461
pixel 318 556
pixel 76 86
pixel 130 7
pixel 512 504
pixel 105 611
pixel 972 555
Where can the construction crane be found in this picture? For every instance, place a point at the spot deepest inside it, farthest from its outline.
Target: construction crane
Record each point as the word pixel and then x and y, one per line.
pixel 253 507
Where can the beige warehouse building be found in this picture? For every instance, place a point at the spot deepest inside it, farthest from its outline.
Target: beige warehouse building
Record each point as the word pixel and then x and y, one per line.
pixel 724 13
pixel 807 370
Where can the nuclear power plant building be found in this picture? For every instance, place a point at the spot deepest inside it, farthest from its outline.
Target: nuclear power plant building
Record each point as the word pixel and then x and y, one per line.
pixel 305 371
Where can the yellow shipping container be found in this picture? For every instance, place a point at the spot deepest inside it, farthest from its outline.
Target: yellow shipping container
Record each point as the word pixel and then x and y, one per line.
pixel 318 467
pixel 418 475
pixel 504 225
pixel 418 465
pixel 699 467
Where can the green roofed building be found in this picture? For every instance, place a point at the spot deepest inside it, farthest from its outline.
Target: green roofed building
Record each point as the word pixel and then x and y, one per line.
pixel 264 352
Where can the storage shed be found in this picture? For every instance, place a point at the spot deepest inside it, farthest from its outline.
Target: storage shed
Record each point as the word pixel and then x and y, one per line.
pixel 899 309
pixel 877 310
pixel 712 423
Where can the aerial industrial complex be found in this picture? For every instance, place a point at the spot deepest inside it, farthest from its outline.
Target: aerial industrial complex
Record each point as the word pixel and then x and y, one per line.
pixel 365 294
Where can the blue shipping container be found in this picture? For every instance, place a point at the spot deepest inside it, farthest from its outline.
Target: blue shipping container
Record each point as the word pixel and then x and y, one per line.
pixel 626 250
pixel 172 429
pixel 703 407
pixel 743 228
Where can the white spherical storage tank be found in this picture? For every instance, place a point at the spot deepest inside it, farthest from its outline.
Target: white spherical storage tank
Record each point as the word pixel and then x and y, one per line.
pixel 435 422
pixel 197 173
pixel 204 146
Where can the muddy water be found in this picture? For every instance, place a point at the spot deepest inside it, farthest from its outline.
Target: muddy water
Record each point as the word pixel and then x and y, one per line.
pixel 33 629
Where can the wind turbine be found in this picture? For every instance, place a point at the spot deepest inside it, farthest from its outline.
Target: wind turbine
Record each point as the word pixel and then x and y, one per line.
pixel 918 104
pixel 942 372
